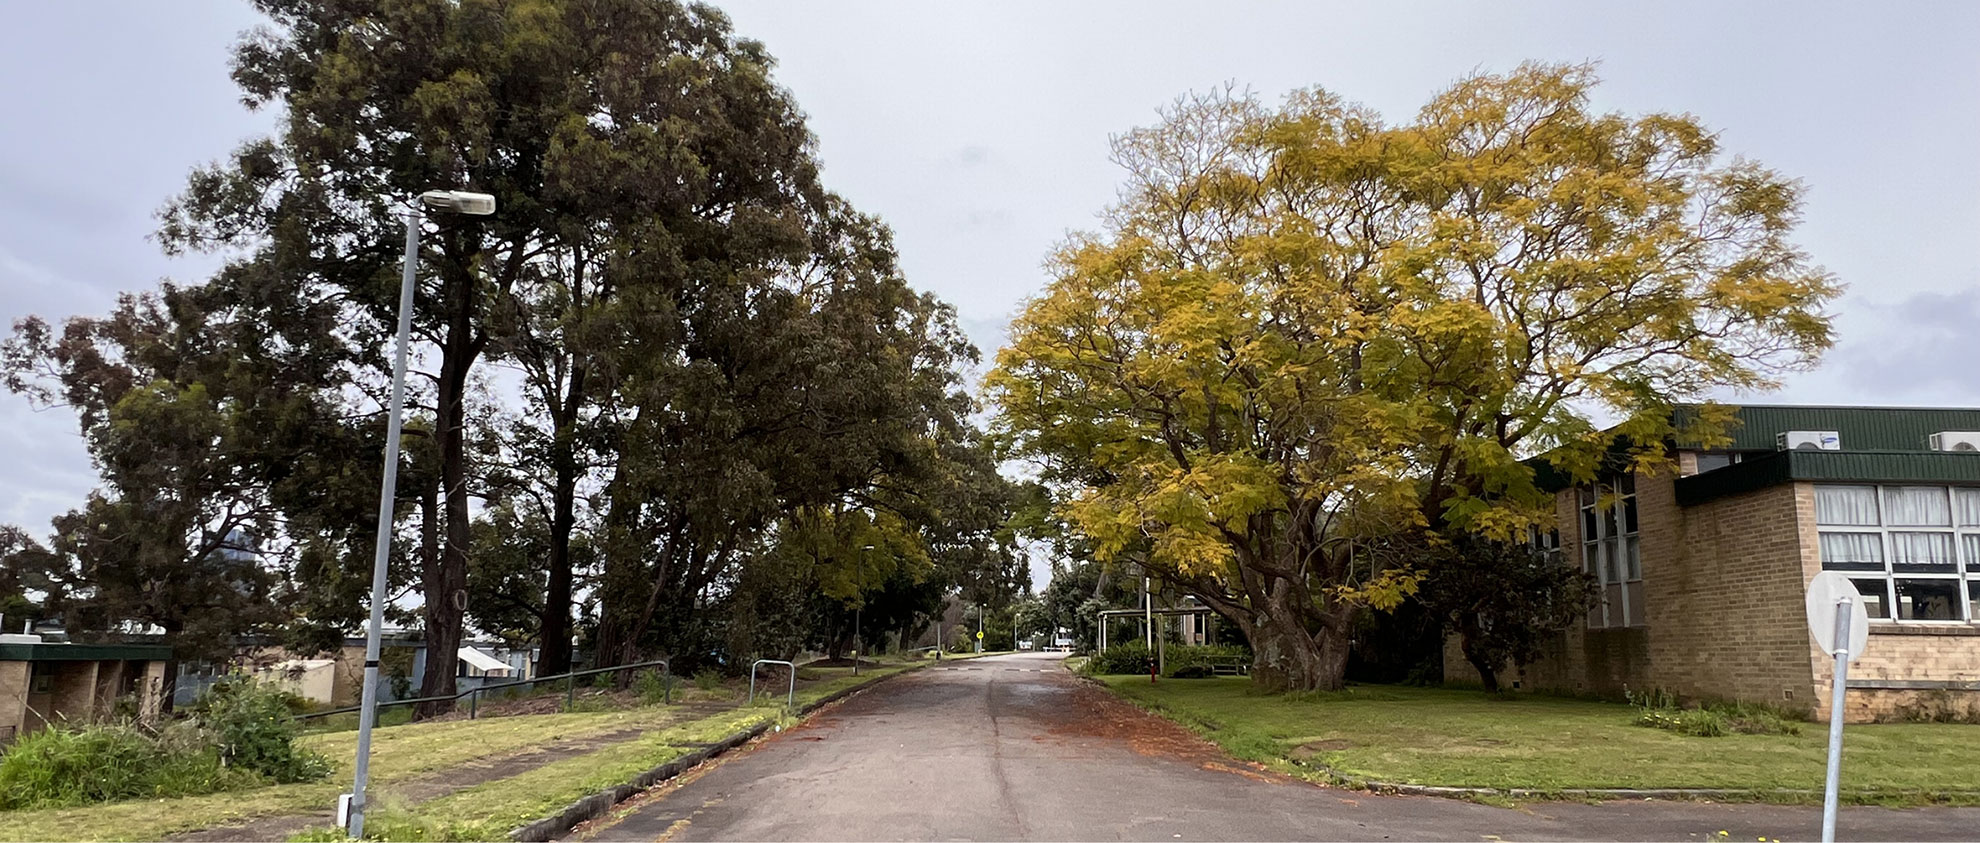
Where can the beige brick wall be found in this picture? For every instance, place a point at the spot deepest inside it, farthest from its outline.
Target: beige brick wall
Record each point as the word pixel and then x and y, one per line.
pixel 1725 583
pixel 1722 585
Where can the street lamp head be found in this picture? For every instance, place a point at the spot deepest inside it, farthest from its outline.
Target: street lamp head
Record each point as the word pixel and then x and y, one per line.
pixel 459 202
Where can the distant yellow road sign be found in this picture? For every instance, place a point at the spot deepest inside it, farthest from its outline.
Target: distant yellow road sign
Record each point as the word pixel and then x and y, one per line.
pixel 979 635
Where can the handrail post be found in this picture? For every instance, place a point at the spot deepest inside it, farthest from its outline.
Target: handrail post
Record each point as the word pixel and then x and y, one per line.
pixel 474 700
pixel 791 701
pixel 570 693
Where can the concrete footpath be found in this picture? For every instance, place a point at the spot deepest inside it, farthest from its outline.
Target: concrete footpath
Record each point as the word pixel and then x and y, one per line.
pixel 1015 748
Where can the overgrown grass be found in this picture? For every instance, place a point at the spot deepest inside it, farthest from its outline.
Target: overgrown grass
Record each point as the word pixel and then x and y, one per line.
pixel 1462 738
pixel 397 754
pixel 239 735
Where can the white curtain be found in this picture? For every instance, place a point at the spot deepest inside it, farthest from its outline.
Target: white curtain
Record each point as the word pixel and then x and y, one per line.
pixel 1973 558
pixel 1852 548
pixel 1967 501
pixel 1923 550
pixel 1846 506
pixel 1916 506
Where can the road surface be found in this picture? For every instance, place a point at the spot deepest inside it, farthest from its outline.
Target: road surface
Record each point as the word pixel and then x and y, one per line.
pixel 1016 748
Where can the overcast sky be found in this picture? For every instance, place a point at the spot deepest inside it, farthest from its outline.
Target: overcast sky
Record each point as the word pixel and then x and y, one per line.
pixel 979 132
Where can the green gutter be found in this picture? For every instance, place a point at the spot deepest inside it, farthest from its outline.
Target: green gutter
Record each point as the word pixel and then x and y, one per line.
pixel 1760 472
pixel 84 652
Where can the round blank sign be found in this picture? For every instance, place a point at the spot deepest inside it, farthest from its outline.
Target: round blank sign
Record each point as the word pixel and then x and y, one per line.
pixel 1824 593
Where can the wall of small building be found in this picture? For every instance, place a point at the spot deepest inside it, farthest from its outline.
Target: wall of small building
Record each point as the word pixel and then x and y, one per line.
pixel 1905 670
pixel 1722 587
pixel 14 678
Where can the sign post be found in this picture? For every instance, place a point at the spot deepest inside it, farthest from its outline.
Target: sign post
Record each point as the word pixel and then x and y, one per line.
pixel 1841 626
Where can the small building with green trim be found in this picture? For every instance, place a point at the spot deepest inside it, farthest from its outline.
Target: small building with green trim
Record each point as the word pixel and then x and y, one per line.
pixel 1703 571
pixel 44 683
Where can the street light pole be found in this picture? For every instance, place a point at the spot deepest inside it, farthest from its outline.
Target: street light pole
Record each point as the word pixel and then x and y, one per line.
pixel 478 204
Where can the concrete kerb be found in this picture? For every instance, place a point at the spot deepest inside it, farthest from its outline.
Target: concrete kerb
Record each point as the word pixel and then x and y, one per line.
pixel 598 804
pixel 1336 778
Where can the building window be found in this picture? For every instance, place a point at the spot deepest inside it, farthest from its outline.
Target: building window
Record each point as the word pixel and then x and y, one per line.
pixel 1913 551
pixel 1610 552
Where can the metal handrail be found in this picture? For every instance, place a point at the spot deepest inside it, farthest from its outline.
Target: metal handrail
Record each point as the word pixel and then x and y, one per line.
pixel 791 701
pixel 474 698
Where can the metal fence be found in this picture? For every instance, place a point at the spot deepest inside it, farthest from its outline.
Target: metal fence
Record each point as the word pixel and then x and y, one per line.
pixel 473 695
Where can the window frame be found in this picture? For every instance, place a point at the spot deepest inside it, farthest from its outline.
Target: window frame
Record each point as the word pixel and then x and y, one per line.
pixel 1965 572
pixel 1606 552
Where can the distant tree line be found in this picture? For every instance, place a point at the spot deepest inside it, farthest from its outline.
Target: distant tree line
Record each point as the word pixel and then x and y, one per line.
pixel 673 397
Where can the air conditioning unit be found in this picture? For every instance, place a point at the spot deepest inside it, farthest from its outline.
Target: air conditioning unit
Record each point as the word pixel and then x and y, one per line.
pixel 1810 440
pixel 1956 440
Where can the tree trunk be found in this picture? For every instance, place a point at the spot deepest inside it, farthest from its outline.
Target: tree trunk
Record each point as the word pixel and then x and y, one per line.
pixel 1286 657
pixel 1488 672
pixel 446 582
pixel 556 633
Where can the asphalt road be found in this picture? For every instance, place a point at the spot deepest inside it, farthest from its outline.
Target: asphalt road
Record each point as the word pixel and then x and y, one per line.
pixel 1015 748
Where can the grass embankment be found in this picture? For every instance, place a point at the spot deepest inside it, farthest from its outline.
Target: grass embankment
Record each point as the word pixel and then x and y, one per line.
pixel 403 754
pixel 488 811
pixel 1458 738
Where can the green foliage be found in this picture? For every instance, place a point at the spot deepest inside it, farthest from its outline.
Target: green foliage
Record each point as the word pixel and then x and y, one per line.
pixel 1306 329
pixel 1660 710
pixel 1197 659
pixel 1131 657
pixel 651 686
pixel 707 679
pixel 105 762
pixel 252 725
pixel 1503 599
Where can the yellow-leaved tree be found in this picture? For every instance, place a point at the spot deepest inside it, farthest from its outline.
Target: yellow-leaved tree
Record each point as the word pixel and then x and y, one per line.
pixel 1307 338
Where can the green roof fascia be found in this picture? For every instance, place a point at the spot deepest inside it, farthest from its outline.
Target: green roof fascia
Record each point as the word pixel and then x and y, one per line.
pixel 47 652
pixel 1885 466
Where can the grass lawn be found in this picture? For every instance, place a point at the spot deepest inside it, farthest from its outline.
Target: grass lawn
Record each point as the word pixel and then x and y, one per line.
pixel 1464 738
pixel 401 753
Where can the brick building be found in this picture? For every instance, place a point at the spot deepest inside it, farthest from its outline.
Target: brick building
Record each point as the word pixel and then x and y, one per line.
pixel 1703 572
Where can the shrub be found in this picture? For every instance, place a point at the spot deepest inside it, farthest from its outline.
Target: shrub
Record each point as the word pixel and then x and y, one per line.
pixel 250 722
pixel 99 763
pixel 707 679
pixel 1197 659
pixel 651 686
pixel 1127 658
pixel 1660 710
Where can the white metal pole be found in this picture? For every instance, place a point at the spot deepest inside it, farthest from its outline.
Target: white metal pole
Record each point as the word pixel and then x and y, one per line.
pixel 368 706
pixel 1836 695
pixel 981 610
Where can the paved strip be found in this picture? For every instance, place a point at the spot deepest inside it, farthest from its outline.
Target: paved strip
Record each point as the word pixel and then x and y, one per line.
pixel 1013 748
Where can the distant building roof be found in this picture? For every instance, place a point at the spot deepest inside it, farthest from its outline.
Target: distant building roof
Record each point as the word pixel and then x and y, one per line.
pixel 55 652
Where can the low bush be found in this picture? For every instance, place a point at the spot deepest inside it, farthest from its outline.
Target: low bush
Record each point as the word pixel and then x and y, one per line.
pixel 251 724
pixel 1120 658
pixel 61 766
pixel 1197 660
pixel 240 734
pixel 1660 710
pixel 1180 661
pixel 707 679
pixel 651 686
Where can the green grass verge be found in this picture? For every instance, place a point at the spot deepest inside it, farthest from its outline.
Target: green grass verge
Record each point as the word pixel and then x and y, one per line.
pixel 398 753
pixel 1466 739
